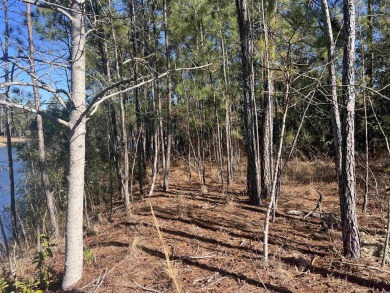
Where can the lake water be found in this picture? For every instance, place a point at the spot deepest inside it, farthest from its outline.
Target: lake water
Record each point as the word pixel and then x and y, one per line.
pixel 5 198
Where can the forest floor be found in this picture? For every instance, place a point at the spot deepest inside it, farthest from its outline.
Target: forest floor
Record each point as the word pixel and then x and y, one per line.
pixel 214 241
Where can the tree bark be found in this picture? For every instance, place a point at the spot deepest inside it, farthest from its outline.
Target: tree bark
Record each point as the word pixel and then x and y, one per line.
pixel 169 101
pixel 277 172
pixel 140 131
pixel 268 100
pixel 350 230
pixel 125 175
pixel 336 123
pixel 229 149
pixel 74 220
pixel 41 140
pixel 8 121
pixel 250 113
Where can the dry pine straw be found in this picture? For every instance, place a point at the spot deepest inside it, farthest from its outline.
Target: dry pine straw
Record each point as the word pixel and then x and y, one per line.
pixel 214 242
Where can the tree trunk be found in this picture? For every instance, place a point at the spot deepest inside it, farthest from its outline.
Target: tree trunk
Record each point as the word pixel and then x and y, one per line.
pixel 8 121
pixel 41 141
pixel 277 172
pixel 169 102
pixel 268 100
pixel 140 131
pixel 250 114
pixel 368 60
pixel 336 123
pixel 229 149
pixel 125 174
pixel 387 239
pixel 350 230
pixel 155 147
pixel 74 220
pixel 7 250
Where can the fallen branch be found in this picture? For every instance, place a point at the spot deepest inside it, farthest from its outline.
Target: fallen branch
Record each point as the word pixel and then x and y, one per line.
pixel 362 266
pixel 296 213
pixel 318 206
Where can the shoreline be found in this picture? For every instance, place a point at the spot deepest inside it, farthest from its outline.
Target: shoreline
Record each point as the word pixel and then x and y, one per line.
pixel 14 141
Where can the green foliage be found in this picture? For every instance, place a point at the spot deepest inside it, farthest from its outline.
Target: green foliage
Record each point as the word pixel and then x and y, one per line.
pixel 43 280
pixel 31 286
pixel 89 256
pixel 3 285
pixel 40 260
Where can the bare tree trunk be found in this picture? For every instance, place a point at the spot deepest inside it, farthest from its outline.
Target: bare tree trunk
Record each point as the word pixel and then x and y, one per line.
pixel 155 151
pixel 386 246
pixel 219 148
pixel 22 228
pixel 268 100
pixel 366 157
pixel 368 58
pixel 250 113
pixel 140 132
pixel 370 43
pixel 169 101
pixel 8 121
pixel 6 245
pixel 14 221
pixel 333 86
pixel 277 170
pixel 229 149
pixel 161 139
pixel 350 230
pixel 156 116
pixel 41 140
pixel 125 175
pixel 74 220
pixel 133 166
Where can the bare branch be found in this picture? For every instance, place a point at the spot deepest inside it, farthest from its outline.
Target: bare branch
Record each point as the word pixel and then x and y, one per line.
pixel 377 92
pixel 28 109
pixel 95 103
pixel 54 6
pixel 43 86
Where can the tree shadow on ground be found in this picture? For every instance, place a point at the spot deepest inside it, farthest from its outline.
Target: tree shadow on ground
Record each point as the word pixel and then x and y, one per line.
pixel 221 271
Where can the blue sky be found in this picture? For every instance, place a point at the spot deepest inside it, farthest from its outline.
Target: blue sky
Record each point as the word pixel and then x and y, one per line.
pixel 47 51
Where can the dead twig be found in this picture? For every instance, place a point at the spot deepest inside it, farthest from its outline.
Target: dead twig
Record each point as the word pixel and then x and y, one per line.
pixel 215 282
pixel 145 288
pixel 100 280
pixel 95 281
pixel 202 257
pixel 258 276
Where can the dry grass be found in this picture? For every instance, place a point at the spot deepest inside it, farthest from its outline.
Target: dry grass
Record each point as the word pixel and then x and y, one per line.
pixel 172 270
pixel 305 172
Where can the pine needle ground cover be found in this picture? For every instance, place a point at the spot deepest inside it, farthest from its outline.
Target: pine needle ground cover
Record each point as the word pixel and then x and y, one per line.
pixel 214 243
